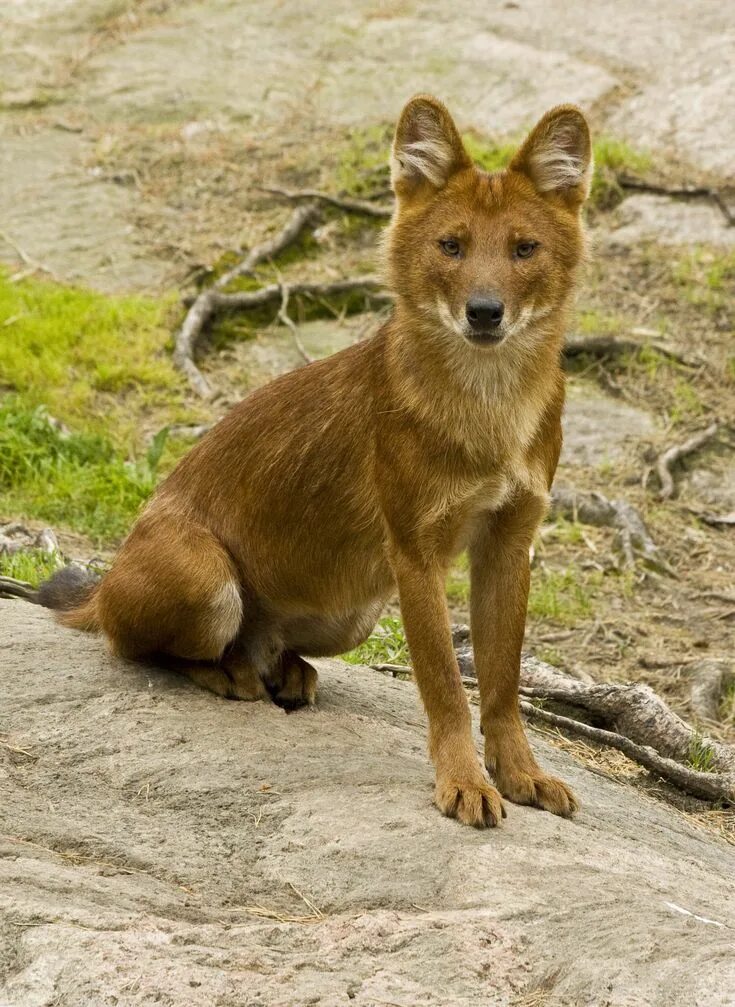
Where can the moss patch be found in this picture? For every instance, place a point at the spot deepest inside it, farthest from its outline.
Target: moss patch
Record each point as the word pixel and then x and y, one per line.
pixel 96 363
pixel 85 381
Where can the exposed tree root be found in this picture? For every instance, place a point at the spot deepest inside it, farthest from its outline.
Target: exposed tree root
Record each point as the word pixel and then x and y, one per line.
pixel 708 786
pixel 633 710
pixel 637 721
pixel 611 346
pixel 205 305
pixel 680 192
pixel 633 538
pixel 670 457
pixel 213 300
pixel 343 203
pixel 708 681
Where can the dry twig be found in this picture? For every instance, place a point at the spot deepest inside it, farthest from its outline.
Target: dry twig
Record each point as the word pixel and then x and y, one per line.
pixel 674 454
pixel 718 520
pixel 342 203
pixel 611 346
pixel 291 324
pixel 34 266
pixel 17 751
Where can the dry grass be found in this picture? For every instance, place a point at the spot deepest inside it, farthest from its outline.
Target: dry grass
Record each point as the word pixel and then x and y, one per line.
pixel 262 912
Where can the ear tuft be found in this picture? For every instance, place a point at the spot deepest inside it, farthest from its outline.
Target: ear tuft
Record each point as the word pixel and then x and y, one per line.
pixel 427 148
pixel 557 156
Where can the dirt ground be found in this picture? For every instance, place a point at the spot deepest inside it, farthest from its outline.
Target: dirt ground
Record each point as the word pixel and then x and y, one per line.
pixel 134 138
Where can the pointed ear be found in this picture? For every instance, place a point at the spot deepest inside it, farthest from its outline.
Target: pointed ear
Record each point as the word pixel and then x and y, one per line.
pixel 557 155
pixel 427 148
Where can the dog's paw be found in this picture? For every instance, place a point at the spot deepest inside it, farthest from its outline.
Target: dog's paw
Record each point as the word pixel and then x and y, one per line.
pixel 293 682
pixel 472 802
pixel 538 790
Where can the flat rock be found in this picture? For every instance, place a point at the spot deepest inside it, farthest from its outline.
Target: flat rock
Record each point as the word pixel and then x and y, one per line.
pixel 715 484
pixel 599 428
pixel 669 222
pixel 161 845
pixel 274 352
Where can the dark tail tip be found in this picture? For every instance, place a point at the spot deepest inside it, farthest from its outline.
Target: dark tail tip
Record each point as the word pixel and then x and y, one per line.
pixel 67 588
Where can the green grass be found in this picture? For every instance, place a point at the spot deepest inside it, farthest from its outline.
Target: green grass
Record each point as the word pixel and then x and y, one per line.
pixel 97 363
pixel 727 704
pixel 77 480
pixel 593 322
pixel 488 154
pixel 612 158
pixel 362 164
pixel 32 566
pixel 651 361
pixel 563 531
pixel 552 656
pixel 686 404
pixel 701 755
pixel 560 596
pixel 386 645
pixel 458 581
pixel 706 279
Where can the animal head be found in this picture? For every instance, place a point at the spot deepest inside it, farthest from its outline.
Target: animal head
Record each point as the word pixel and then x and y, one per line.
pixel 482 258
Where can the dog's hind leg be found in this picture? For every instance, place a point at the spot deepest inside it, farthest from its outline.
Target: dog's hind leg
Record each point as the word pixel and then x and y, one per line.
pixel 227 678
pixel 173 590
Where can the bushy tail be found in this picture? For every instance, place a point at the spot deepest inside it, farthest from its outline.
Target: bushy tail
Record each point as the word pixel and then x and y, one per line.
pixel 71 592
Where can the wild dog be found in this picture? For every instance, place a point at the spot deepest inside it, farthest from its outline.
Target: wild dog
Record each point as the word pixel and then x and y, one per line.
pixel 283 532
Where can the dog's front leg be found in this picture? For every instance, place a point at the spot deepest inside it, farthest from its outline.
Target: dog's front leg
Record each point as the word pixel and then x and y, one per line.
pixel 499 580
pixel 462 789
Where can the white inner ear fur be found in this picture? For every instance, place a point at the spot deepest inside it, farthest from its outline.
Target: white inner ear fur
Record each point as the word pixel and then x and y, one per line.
pixel 556 164
pixel 431 155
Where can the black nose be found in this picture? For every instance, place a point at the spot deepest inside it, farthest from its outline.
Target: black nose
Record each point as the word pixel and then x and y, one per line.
pixel 484 313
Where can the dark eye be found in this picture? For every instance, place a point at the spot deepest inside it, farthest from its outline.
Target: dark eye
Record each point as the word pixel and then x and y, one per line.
pixel 525 249
pixel 450 247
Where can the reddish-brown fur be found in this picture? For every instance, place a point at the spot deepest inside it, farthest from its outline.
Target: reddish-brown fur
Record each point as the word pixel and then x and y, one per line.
pixel 286 529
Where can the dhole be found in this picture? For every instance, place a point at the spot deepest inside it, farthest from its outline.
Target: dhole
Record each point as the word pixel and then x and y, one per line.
pixel 282 534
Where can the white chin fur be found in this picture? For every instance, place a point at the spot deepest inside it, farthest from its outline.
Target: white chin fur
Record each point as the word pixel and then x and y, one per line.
pixel 506 330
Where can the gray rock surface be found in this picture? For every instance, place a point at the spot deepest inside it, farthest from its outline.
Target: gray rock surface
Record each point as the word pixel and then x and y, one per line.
pixel 658 74
pixel 598 428
pixel 150 823
pixel 667 221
